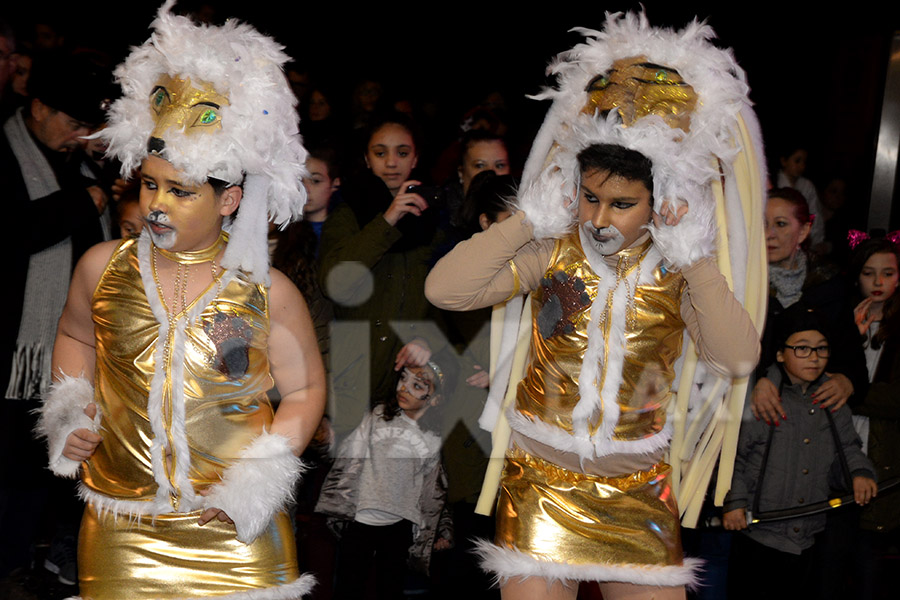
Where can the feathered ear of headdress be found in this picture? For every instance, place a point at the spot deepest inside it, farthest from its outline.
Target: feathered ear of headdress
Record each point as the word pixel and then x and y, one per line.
pixel 258 141
pixel 684 162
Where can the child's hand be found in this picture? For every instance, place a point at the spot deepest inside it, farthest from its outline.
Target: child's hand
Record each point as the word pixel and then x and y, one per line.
pixel 862 316
pixel 212 513
pixel 441 544
pixel 735 520
pixel 414 354
pixel 480 379
pixel 405 203
pixel 81 443
pixel 864 489
pixel 324 435
pixel 668 214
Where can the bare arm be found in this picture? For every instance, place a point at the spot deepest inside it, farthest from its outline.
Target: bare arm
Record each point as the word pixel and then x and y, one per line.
pixel 477 272
pixel 295 363
pixel 74 356
pixel 73 352
pixel 716 321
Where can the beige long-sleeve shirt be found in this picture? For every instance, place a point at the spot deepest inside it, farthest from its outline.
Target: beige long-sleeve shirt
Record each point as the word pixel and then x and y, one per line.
pixel 483 271
pixel 506 260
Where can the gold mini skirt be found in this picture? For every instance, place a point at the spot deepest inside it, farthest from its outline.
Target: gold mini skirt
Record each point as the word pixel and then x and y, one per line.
pixel 172 557
pixel 558 516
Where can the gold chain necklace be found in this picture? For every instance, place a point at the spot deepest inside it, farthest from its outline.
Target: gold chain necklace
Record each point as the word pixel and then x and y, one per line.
pixel 183 261
pixel 623 268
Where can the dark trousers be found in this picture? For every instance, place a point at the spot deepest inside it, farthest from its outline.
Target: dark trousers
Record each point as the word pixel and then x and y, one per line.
pixel 456 573
pixel 388 545
pixel 759 572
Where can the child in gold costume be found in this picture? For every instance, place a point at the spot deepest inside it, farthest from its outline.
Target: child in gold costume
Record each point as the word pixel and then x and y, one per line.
pixel 168 343
pixel 614 238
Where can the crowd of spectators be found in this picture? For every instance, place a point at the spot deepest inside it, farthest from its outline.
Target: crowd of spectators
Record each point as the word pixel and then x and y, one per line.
pixel 386 201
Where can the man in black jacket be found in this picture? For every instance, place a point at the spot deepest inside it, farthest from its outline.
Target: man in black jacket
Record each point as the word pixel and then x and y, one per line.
pixel 52 216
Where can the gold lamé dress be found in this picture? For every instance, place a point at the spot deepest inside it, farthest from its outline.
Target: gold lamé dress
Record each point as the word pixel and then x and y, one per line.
pixel 162 446
pixel 596 527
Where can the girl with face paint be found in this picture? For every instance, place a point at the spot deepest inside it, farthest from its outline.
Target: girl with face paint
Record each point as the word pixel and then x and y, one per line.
pixel 390 470
pixel 376 249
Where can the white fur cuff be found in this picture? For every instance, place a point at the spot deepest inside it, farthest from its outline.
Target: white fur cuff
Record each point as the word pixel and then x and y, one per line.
pixel 258 485
pixel 290 591
pixel 684 244
pixel 509 563
pixel 61 414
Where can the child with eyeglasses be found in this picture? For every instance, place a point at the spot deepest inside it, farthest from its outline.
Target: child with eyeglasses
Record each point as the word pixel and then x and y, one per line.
pixel 813 454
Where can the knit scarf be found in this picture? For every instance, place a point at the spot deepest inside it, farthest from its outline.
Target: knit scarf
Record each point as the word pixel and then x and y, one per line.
pixel 788 281
pixel 47 283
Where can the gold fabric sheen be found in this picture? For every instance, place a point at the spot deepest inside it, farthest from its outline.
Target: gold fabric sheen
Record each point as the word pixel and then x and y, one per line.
pixel 226 376
pixel 653 334
pixel 170 556
pixel 223 411
pixel 196 257
pixel 636 88
pixel 557 515
pixel 176 103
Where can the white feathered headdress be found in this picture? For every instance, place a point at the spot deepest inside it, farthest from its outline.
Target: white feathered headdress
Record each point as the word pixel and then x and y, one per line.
pixel 254 135
pixel 684 161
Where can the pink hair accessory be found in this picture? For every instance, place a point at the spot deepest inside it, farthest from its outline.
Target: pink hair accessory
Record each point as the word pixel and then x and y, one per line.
pixel 855 237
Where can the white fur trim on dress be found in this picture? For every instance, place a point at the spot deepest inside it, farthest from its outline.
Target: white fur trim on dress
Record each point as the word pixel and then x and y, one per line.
pixel 290 591
pixel 509 563
pixel 61 414
pixel 188 500
pixel 132 510
pixel 601 370
pixel 164 490
pixel 258 485
pixel 586 449
pixel 601 375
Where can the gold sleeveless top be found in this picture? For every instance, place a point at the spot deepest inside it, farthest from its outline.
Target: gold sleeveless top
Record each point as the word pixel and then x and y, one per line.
pixel 561 317
pixel 200 410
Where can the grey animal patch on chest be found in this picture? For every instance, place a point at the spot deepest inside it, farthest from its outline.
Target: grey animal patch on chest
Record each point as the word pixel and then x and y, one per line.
pixel 231 335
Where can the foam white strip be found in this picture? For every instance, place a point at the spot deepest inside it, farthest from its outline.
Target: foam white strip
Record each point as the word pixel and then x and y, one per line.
pixel 501 380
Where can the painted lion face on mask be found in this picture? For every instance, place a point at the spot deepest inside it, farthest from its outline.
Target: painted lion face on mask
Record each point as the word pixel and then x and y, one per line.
pixel 214 102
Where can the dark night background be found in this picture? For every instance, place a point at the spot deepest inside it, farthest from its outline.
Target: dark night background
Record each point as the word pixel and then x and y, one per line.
pixel 816 75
